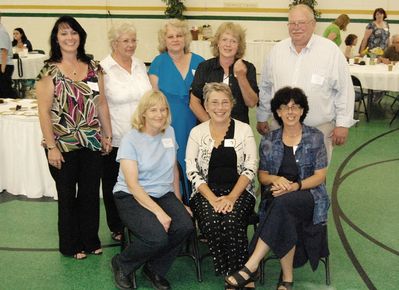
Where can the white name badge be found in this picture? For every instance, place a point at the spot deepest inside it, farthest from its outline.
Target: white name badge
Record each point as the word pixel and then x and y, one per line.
pixel 93 86
pixel 317 79
pixel 167 142
pixel 229 143
pixel 193 71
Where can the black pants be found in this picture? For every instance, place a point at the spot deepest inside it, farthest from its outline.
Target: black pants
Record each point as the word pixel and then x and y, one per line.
pixel 108 179
pixel 78 183
pixel 6 90
pixel 151 244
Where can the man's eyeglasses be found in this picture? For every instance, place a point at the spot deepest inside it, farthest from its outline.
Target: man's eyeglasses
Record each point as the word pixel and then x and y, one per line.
pixel 298 23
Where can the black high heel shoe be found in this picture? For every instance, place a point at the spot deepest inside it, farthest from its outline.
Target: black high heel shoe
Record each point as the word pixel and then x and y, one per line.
pixel 240 281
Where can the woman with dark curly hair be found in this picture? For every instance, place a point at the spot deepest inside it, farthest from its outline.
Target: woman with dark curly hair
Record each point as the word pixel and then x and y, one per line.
pixel 293 166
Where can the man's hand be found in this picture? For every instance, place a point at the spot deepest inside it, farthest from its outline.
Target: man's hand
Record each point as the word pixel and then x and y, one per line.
pixel 339 135
pixel 263 128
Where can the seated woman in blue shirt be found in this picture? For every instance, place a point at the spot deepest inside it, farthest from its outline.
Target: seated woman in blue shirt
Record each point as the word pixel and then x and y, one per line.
pixel 147 195
pixel 293 165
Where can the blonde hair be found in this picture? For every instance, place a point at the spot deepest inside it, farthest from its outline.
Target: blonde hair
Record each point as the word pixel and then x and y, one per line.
pixel 237 31
pixel 117 30
pixel 223 88
pixel 148 100
pixel 342 21
pixel 181 26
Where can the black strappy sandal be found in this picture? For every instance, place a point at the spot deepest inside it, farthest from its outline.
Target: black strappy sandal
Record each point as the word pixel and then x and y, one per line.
pixel 240 281
pixel 287 285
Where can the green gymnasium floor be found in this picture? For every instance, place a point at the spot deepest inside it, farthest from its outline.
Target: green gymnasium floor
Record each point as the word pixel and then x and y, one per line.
pixel 363 228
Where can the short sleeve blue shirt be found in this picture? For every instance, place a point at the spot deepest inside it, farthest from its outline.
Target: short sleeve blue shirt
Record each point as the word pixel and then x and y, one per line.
pixel 155 157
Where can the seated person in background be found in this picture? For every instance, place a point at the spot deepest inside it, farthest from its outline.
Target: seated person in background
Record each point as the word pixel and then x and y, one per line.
pixel 221 163
pixel 350 42
pixel 228 47
pixel 392 52
pixel 20 40
pixel 293 164
pixel 147 195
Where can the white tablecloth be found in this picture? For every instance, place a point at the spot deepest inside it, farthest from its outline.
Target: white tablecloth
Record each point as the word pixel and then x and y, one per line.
pixel 256 51
pixel 31 66
pixel 377 77
pixel 23 164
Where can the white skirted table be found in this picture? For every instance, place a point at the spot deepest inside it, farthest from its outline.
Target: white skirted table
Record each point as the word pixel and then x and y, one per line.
pixel 29 68
pixel 23 166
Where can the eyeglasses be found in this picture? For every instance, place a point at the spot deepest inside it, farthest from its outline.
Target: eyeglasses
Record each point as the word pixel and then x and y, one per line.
pixel 127 41
pixel 224 104
pixel 293 108
pixel 300 23
pixel 230 41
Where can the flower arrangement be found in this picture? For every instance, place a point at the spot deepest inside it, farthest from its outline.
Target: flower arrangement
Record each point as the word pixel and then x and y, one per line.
pixel 311 3
pixel 372 53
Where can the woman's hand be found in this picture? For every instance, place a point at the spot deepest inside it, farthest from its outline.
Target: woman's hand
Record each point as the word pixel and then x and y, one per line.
pixel 240 69
pixel 106 144
pixel 164 219
pixel 224 204
pixel 55 158
pixel 281 183
pixel 277 192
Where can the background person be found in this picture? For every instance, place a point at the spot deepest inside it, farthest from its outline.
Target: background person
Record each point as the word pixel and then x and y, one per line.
pixel 328 85
pixel 172 72
pixel 147 195
pixel 391 54
pixel 228 47
pixel 293 164
pixel 332 31
pixel 6 64
pixel 377 32
pixel 221 164
pixel 125 82
pixel 350 43
pixel 74 119
pixel 20 41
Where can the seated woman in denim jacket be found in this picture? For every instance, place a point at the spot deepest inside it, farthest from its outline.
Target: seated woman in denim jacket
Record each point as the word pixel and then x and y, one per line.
pixel 293 163
pixel 147 195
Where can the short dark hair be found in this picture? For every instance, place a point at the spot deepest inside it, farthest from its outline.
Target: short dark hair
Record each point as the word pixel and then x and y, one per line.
pixel 283 96
pixel 350 39
pixel 379 10
pixel 23 36
pixel 55 51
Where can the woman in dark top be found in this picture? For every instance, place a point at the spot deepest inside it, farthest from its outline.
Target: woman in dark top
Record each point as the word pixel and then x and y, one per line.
pixel 228 47
pixel 20 40
pixel 293 165
pixel 221 163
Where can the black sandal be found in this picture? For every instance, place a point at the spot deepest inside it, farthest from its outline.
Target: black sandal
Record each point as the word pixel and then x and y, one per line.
pixel 287 285
pixel 240 280
pixel 117 236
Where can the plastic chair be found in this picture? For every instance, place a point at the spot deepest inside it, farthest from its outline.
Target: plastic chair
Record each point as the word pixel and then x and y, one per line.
pixel 360 97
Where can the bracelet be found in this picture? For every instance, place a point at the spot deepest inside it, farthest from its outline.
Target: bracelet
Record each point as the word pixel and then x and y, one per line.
pixel 51 147
pixel 300 185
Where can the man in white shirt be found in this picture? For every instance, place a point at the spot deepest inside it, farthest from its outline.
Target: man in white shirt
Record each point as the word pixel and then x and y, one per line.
pixel 319 68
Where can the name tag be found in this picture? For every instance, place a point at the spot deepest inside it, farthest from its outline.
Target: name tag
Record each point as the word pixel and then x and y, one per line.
pixel 317 79
pixel 229 143
pixel 167 143
pixel 93 86
pixel 193 71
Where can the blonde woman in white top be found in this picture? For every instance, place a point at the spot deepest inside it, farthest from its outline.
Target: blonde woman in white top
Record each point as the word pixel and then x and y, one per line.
pixel 125 81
